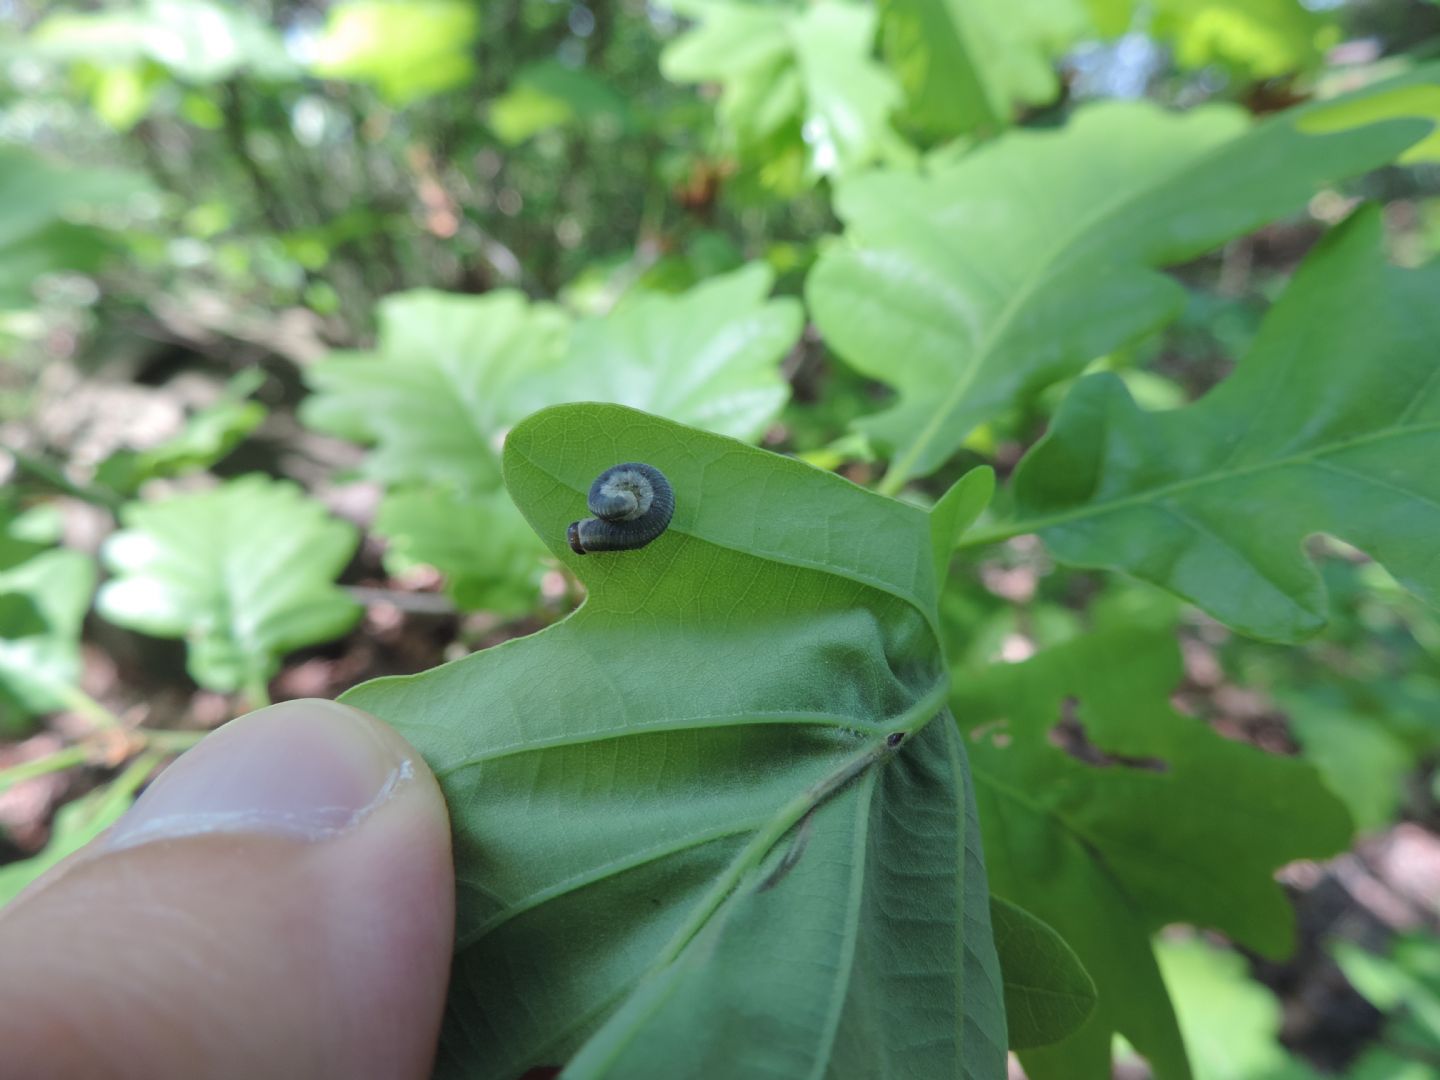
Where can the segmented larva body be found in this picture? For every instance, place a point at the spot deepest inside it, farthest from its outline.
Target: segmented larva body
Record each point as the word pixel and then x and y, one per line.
pixel 632 504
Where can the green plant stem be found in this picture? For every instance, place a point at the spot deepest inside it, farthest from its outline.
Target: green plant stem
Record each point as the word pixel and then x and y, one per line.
pixel 257 692
pixel 997 534
pixel 76 700
pixel 67 758
pixel 53 475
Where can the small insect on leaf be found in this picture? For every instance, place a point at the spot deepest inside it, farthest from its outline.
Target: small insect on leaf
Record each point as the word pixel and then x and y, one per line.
pixel 632 504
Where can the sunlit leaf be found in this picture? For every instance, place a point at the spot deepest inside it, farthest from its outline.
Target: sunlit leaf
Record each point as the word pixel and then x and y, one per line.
pixel 409 49
pixel 199 41
pixel 1259 39
pixel 684 842
pixel 244 573
pixel 1108 814
pixel 973 286
pixel 804 74
pixel 1231 1023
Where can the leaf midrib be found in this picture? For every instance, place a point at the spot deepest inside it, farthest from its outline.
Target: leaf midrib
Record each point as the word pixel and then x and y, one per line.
pixel 1312 456
pixel 900 470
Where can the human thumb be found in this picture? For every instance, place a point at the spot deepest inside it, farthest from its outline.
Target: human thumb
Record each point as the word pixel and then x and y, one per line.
pixel 279 903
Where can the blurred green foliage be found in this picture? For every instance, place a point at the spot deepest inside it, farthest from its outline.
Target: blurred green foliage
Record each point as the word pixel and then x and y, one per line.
pixel 383 233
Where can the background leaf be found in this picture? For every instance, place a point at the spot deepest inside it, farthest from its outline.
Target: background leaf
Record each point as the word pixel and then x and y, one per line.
pixel 243 573
pixel 1074 836
pixel 1329 424
pixel 749 855
pixel 1231 1023
pixel 1048 992
pixel 409 49
pixel 975 285
pixel 802 75
pixel 968 64
pixel 38 664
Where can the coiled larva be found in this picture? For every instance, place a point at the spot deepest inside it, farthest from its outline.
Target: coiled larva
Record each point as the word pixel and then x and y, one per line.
pixel 632 504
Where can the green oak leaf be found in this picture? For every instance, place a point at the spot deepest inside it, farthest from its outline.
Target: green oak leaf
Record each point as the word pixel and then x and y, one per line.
pixel 709 357
pixel 244 573
pixel 1151 817
pixel 968 64
pixel 1330 424
pixel 40 662
pixel 684 841
pixel 449 376
pixel 1048 992
pixel 804 74
pixel 986 279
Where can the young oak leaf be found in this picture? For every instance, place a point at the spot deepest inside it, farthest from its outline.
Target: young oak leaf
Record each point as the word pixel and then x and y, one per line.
pixel 703 827
pixel 1150 818
pixel 1330 424
pixel 981 282
pixel 244 573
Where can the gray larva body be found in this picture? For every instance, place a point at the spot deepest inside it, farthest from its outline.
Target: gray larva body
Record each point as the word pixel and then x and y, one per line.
pixel 632 504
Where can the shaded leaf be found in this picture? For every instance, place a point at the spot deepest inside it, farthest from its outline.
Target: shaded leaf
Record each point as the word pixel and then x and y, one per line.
pixel 1330 424
pixel 1048 992
pixel 974 286
pixel 684 843
pixel 550 94
pixel 1150 817
pixel 243 573
pixel 36 238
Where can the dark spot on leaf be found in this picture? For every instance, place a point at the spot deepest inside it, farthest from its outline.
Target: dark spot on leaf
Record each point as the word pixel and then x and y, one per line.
pixel 1070 735
pixel 894 739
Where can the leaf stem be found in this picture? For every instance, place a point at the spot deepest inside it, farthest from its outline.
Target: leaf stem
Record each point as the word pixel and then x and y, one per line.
pixel 77 700
pixel 793 811
pixel 60 760
pixel 257 692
